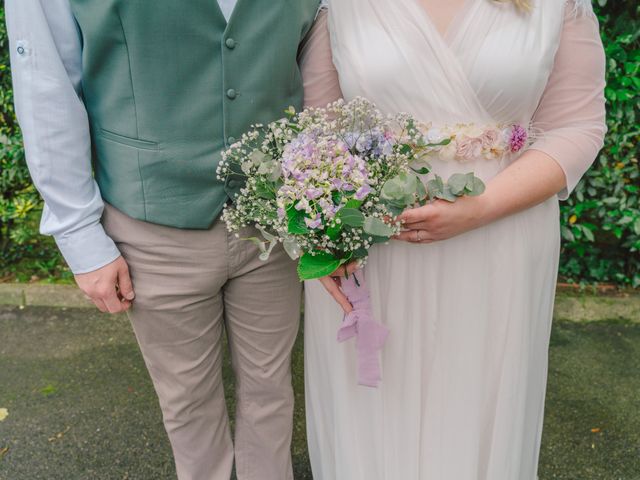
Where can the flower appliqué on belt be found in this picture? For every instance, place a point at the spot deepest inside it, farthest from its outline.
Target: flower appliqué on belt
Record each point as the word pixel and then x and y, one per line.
pixel 472 141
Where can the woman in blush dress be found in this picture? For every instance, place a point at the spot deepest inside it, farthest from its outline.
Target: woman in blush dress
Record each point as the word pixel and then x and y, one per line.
pixel 467 290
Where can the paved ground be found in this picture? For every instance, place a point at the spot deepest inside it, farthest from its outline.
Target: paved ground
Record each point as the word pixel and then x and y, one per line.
pixel 80 404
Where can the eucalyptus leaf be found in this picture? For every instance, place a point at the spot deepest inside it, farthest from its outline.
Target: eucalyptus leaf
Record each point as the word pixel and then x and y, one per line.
pixel 477 187
pixel 395 208
pixel 447 195
pixel 264 247
pixel 421 193
pixel 435 187
pixel 292 248
pixel 457 184
pixel 375 226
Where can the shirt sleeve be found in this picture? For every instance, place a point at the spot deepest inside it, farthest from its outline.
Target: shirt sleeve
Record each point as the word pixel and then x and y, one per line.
pixel 321 84
pixel 46 57
pixel 571 115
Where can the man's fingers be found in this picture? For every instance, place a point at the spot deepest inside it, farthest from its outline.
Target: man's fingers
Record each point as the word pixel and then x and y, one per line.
pixel 337 294
pixel 114 304
pixel 125 286
pixel 100 305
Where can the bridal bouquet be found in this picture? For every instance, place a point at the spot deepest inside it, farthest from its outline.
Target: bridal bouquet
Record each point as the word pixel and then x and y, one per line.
pixel 328 184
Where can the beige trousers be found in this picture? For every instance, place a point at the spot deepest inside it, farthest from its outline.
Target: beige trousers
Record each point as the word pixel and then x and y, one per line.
pixel 188 285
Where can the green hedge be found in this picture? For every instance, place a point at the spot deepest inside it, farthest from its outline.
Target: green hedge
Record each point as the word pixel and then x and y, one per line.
pixel 600 223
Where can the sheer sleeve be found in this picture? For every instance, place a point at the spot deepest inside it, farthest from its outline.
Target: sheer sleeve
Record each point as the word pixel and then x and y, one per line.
pixel 571 113
pixel 321 85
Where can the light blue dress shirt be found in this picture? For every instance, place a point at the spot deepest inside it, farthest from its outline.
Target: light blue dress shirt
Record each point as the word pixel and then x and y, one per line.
pixel 46 56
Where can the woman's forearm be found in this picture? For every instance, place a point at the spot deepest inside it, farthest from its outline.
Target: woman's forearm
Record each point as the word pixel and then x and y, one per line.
pixel 530 180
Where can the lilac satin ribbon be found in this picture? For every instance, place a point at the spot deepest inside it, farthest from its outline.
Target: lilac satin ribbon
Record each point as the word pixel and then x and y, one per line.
pixel 370 335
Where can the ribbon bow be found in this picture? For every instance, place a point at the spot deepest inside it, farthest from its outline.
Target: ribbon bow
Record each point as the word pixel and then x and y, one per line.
pixel 370 335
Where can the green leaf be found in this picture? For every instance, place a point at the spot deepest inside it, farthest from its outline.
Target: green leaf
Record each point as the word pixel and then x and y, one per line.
pixel 292 248
pixel 421 193
pixel 351 217
pixel 401 188
pixel 442 143
pixel 475 186
pixel 435 187
pixel 447 195
pixel 457 183
pixel 567 234
pixel 333 231
pixel 395 208
pixel 353 203
pixel 375 226
pixel 588 234
pixel 318 265
pixel 296 225
pixel 263 190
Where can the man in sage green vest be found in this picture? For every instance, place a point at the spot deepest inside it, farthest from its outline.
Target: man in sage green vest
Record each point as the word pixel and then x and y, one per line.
pixel 149 92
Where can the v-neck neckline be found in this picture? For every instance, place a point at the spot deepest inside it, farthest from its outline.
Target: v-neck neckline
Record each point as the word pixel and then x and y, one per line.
pixel 453 26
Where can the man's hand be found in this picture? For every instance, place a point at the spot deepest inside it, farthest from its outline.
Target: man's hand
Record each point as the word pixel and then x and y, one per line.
pixel 109 287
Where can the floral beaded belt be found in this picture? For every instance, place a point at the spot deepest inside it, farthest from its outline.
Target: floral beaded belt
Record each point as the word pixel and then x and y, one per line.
pixel 469 141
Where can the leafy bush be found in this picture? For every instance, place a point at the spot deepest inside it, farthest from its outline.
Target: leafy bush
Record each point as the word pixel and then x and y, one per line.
pixel 600 222
pixel 23 252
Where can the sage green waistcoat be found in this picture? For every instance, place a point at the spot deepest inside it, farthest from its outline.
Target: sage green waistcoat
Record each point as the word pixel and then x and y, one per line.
pixel 168 84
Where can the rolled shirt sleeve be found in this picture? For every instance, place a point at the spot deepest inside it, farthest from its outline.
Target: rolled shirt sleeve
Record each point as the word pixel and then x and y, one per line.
pixel 571 116
pixel 46 57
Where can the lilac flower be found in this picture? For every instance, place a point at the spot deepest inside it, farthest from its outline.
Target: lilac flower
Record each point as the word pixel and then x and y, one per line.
pixel 302 204
pixel 362 192
pixel 518 138
pixel 337 183
pixel 313 193
pixel 328 208
pixel 314 223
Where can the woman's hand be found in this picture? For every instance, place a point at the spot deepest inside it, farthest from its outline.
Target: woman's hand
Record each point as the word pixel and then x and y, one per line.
pixel 332 284
pixel 530 180
pixel 440 220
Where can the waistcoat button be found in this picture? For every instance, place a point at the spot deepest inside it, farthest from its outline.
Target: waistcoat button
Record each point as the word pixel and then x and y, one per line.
pixel 231 140
pixel 231 93
pixel 230 43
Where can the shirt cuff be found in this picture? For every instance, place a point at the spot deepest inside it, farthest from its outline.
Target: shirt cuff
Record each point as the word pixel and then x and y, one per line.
pixel 88 249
